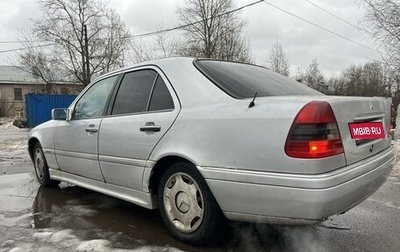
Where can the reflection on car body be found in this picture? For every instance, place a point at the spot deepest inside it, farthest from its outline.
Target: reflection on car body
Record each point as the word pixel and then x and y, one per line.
pixel 178 134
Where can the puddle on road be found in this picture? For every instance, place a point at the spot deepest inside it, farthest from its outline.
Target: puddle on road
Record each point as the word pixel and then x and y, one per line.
pixel 94 216
pixel 73 218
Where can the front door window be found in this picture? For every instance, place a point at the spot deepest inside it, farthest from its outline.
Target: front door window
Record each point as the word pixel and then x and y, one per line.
pixel 93 102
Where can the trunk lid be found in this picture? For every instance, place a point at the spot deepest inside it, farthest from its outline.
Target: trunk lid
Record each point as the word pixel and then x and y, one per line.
pixel 363 124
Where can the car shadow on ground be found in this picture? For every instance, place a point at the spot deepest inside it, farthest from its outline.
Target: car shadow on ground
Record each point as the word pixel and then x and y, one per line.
pixel 92 215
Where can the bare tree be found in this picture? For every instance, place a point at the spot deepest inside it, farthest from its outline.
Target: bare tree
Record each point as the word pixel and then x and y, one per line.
pixel 213 31
pixel 87 38
pixel 38 63
pixel 336 86
pixel 140 52
pixel 370 79
pixel 374 79
pixel 353 77
pixel 314 78
pixel 383 22
pixel 277 60
pixel 165 45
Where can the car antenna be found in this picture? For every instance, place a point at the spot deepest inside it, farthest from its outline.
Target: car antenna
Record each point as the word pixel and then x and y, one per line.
pixel 252 101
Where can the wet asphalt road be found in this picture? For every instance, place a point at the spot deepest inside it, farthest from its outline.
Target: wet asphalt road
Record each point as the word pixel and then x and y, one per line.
pixel 70 218
pixel 28 211
pixel 13 155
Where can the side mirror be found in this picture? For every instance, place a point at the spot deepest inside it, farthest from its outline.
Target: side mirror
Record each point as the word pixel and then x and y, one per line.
pixel 59 114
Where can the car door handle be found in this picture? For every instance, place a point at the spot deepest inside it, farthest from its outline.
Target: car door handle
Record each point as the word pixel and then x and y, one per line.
pixel 150 126
pixel 91 129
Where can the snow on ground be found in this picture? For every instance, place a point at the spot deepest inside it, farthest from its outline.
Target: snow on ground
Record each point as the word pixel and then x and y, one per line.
pixel 14 157
pixel 66 240
pixel 17 230
pixel 6 123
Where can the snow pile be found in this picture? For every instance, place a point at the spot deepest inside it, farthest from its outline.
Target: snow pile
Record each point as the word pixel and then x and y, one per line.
pixel 66 240
pixel 6 123
pixel 14 157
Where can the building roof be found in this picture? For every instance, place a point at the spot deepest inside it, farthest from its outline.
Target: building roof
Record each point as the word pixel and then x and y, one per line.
pixel 17 74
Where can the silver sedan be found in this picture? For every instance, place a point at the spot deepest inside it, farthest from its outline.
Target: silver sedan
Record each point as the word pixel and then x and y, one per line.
pixel 207 141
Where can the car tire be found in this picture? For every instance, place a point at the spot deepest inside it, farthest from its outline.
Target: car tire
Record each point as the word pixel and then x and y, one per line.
pixel 41 167
pixel 188 207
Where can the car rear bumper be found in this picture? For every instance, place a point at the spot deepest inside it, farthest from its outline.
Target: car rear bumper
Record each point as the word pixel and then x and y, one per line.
pixel 296 199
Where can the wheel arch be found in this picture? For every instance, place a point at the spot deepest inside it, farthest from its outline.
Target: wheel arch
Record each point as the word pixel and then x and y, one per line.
pixel 160 168
pixel 31 145
pixel 215 224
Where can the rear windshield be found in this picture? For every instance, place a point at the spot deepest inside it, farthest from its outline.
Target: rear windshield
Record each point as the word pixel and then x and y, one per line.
pixel 244 80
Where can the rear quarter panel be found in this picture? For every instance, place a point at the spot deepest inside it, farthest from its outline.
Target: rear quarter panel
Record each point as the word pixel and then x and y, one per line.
pixel 231 135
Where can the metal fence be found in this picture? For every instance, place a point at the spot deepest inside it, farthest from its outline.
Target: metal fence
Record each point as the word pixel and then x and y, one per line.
pixel 39 106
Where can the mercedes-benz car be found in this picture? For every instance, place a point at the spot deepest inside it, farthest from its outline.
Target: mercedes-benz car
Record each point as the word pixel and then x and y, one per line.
pixel 207 141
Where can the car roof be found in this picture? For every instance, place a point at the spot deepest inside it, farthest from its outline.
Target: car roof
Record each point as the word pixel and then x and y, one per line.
pixel 190 85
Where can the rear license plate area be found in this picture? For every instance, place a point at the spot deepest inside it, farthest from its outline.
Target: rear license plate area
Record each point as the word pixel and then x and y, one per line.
pixel 366 131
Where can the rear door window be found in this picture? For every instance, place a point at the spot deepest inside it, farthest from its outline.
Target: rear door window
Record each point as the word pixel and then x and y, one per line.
pixel 134 92
pixel 142 91
pixel 161 98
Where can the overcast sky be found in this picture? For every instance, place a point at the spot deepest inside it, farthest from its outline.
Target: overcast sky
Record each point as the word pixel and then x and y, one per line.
pixel 265 24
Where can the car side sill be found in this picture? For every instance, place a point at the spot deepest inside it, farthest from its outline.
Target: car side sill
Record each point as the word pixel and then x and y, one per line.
pixel 137 197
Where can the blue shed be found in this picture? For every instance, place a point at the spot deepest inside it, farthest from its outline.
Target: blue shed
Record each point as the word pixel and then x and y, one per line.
pixel 39 106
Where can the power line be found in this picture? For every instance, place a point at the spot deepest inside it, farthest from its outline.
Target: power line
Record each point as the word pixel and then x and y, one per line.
pixel 196 22
pixel 226 13
pixel 10 42
pixel 341 19
pixel 155 32
pixel 24 48
pixel 320 27
pixel 21 41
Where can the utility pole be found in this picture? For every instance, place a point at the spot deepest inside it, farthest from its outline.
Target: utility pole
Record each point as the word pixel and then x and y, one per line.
pixel 86 63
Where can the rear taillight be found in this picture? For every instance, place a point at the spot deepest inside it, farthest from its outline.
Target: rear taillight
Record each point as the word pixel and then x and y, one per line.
pixel 314 133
